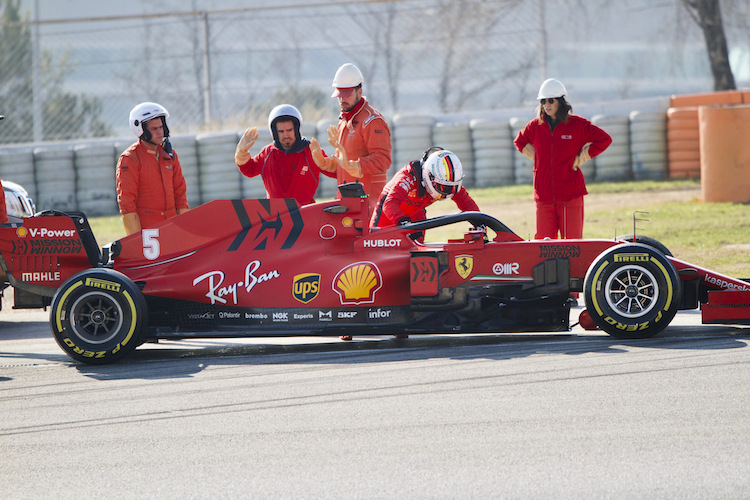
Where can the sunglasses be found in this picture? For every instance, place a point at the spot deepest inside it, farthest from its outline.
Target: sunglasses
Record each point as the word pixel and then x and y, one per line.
pixel 551 100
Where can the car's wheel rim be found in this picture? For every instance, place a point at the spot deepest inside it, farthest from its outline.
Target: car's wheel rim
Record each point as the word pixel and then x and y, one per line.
pixel 632 291
pixel 96 318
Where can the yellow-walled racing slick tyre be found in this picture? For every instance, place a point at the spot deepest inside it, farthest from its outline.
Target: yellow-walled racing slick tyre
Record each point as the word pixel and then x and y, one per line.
pixel 98 316
pixel 646 240
pixel 632 291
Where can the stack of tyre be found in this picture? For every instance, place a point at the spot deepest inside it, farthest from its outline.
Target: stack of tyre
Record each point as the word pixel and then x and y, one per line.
pixel 328 186
pixel 683 142
pixel 648 145
pixel 17 165
pixel 493 152
pixel 252 187
pixel 523 168
pixel 456 138
pixel 96 190
pixel 614 163
pixel 219 176
pixel 411 136
pixel 56 177
pixel 187 153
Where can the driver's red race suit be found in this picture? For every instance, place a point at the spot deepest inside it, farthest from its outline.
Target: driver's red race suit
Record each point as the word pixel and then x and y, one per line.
pixel 404 196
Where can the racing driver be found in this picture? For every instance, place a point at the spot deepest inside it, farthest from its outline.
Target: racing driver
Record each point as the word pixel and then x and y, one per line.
pixel 290 166
pixel 438 176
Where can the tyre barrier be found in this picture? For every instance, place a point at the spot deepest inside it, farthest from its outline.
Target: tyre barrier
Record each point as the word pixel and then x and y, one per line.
pixel 456 138
pixel 493 152
pixel 648 145
pixel 252 187
pixel 614 164
pixel 523 168
pixel 120 146
pixel 17 165
pixel 219 176
pixel 56 178
pixel 327 186
pixel 683 143
pixel 645 145
pixel 411 136
pixel 96 189
pixel 187 153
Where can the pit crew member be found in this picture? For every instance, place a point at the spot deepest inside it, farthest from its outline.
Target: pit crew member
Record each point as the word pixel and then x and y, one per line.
pixel 150 184
pixel 362 139
pixel 290 166
pixel 559 142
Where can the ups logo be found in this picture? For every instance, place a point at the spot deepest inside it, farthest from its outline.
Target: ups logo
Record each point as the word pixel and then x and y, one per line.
pixel 306 287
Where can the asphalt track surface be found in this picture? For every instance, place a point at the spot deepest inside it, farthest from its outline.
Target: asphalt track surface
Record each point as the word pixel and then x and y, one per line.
pixel 564 415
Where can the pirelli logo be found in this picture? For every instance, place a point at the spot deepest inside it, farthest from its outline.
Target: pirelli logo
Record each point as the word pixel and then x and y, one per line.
pixel 631 257
pixel 103 284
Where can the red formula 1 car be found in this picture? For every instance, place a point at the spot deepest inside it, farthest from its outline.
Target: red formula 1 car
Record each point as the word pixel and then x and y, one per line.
pixel 233 268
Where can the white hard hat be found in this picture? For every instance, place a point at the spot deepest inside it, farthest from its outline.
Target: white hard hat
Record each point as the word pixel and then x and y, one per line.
pixel 551 88
pixel 442 174
pixel 348 76
pixel 144 112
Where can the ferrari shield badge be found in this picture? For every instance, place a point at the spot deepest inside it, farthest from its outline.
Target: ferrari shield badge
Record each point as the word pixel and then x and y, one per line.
pixel 464 265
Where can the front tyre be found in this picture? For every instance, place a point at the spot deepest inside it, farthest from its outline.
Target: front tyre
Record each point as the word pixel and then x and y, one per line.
pixel 98 316
pixel 632 291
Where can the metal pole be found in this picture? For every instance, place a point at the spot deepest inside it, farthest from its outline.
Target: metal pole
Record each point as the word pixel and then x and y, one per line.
pixel 543 40
pixel 36 80
pixel 206 72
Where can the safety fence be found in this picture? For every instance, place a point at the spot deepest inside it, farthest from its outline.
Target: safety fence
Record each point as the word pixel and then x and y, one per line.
pixel 222 69
pixel 226 68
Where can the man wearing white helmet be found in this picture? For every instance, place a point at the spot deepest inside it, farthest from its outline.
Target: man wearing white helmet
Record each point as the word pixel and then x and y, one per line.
pixel 150 184
pixel 559 142
pixel 438 176
pixel 291 165
pixel 362 139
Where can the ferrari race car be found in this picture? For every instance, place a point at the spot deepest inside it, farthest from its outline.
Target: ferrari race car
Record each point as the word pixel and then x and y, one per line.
pixel 233 268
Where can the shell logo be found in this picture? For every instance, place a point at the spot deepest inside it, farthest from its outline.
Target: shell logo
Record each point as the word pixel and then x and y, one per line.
pixel 22 232
pixel 357 283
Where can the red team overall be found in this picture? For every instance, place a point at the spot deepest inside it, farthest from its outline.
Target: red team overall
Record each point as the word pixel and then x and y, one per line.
pixel 290 166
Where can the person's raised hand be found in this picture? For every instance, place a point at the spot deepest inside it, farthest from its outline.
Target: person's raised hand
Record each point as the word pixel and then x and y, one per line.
pixel 352 168
pixel 241 154
pixel 323 163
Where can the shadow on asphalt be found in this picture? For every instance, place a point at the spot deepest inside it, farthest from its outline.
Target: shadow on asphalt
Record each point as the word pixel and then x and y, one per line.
pixel 156 362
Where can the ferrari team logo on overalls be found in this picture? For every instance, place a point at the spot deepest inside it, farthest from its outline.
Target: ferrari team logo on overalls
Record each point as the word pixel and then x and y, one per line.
pixel 464 265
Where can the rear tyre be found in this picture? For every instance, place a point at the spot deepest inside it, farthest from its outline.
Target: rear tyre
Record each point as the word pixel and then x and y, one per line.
pixel 98 316
pixel 632 291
